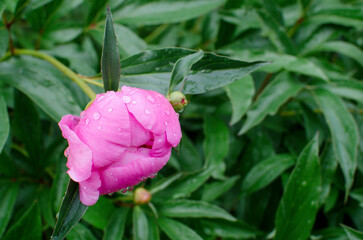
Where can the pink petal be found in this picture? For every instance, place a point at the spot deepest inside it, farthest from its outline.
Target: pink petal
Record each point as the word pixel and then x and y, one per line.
pixel 79 154
pixel 88 190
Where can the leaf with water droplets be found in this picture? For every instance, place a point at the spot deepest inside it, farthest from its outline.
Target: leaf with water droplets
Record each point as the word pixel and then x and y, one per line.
pixel 110 62
pixel 299 205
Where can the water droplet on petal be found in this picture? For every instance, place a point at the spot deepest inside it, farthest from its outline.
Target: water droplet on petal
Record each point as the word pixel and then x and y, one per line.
pixel 174 134
pixel 166 123
pixel 86 121
pixel 111 173
pixel 110 194
pixel 101 98
pixel 160 140
pixel 126 99
pixel 134 102
pixel 149 127
pixel 110 109
pixel 119 129
pixel 96 115
pixel 130 188
pixel 123 190
pixel 85 187
pixel 116 179
pixel 99 127
pixel 147 112
pixel 82 114
pixel 150 99
pixel 177 115
pixel 167 112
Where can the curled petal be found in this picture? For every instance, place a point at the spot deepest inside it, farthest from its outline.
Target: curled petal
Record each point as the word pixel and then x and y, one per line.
pixel 88 190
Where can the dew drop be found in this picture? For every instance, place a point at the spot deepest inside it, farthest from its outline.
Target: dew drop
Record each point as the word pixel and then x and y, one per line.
pixel 99 127
pixel 111 173
pixel 160 140
pixel 177 115
pixel 166 123
pixel 149 127
pixel 85 187
pixel 96 115
pixel 174 134
pixel 100 99
pixel 57 215
pixel 134 102
pixel 82 114
pixel 86 121
pixel 167 112
pixel 126 99
pixel 150 99
pixel 110 194
pixel 116 179
pixel 130 188
pixel 119 129
pixel 147 112
pixel 123 190
pixel 304 183
pixel 110 109
pixel 132 92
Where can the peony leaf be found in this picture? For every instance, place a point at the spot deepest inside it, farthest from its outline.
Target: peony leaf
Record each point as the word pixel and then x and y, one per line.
pixel 4 122
pixel 110 62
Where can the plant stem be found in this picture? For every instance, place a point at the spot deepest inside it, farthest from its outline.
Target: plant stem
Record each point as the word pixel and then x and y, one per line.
pixel 68 72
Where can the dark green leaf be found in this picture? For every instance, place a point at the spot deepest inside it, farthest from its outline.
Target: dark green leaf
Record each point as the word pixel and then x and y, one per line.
pixel 164 183
pixel 215 189
pixel 240 94
pixel 154 232
pixel 344 132
pixel 4 122
pixel 41 82
pixel 4 39
pixel 226 229
pixel 116 224
pixel 46 207
pixel 210 73
pixel 215 145
pixel 357 194
pixel 140 224
pixel 110 62
pixel 352 234
pixel 166 12
pixel 27 227
pixel 71 211
pixel 80 232
pixel 265 172
pixel 176 230
pixel 350 17
pixel 99 214
pixel 96 8
pixel 8 194
pixel 299 205
pixel 283 87
pixel 182 68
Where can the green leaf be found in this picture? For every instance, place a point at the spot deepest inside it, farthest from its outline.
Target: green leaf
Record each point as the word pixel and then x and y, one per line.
pixel 215 145
pixel 306 67
pixel 116 225
pixel 27 227
pixel 299 204
pixel 344 48
pixel 226 229
pixel 347 89
pixel 344 132
pixel 46 207
pixel 140 224
pixel 42 83
pixel 182 68
pixel 210 73
pixel 71 211
pixel 128 42
pixel 166 12
pixel 357 194
pixel 265 172
pixel 95 10
pixel 99 214
pixel 80 232
pixel 4 40
pixel 164 183
pixel 8 193
pixel 216 189
pixel 193 209
pixel 176 230
pixel 283 87
pixel 350 17
pixel 154 232
pixel 4 122
pixel 110 61
pixel 240 94
pixel 352 234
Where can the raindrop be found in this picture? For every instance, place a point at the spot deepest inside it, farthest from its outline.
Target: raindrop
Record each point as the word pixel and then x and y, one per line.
pixel 100 99
pixel 110 109
pixel 134 102
pixel 86 121
pixel 123 190
pixel 167 112
pixel 150 99
pixel 119 129
pixel 99 127
pixel 160 140
pixel 166 123
pixel 153 175
pixel 116 179
pixel 111 173
pixel 130 188
pixel 304 183
pixel 147 112
pixel 96 115
pixel 110 194
pixel 174 134
pixel 177 115
pixel 149 127
pixel 132 92
pixel 57 215
pixel 126 99
pixel 85 187
pixel 82 114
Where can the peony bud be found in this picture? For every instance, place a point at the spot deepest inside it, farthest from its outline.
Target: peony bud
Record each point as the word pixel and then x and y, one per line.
pixel 142 196
pixel 177 100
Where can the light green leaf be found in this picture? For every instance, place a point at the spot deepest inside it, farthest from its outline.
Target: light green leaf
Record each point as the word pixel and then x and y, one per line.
pixel 240 94
pixel 344 132
pixel 140 224
pixel 116 224
pixel 193 209
pixel 110 61
pixel 215 189
pixel 283 87
pixel 347 89
pixel 8 193
pixel 350 17
pixel 265 172
pixel 80 232
pixel 299 204
pixel 176 230
pixel 226 229
pixel 344 48
pixel 306 67
pixel 352 234
pixel 4 123
pixel 166 12
pixel 215 145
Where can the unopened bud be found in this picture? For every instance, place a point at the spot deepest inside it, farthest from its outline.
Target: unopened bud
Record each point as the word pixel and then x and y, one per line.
pixel 178 101
pixel 142 196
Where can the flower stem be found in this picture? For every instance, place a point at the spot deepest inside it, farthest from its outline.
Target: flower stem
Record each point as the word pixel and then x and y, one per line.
pixel 68 72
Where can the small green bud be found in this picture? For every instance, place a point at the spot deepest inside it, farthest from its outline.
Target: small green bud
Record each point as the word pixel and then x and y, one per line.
pixel 177 100
pixel 142 196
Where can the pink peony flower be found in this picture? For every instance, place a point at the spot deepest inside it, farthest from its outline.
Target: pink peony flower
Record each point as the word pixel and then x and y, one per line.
pixel 121 139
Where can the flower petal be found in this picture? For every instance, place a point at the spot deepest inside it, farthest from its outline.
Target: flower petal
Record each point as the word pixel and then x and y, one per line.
pixel 88 190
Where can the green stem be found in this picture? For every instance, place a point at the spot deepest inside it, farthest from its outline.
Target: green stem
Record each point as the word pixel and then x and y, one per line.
pixel 61 67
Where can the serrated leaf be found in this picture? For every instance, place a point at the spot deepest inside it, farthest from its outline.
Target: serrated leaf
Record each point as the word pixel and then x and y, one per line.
pixel 344 132
pixel 176 230
pixel 182 68
pixel 116 225
pixel 166 12
pixel 41 82
pixel 71 211
pixel 226 229
pixel 110 61
pixel 283 87
pixel 240 94
pixel 215 189
pixel 193 209
pixel 8 193
pixel 4 122
pixel 352 234
pixel 265 172
pixel 299 204
pixel 27 227
pixel 215 145
pixel 140 224
pixel 210 73
pixel 80 232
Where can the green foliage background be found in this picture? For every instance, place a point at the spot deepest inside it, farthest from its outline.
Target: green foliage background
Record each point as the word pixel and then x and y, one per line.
pixel 270 150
